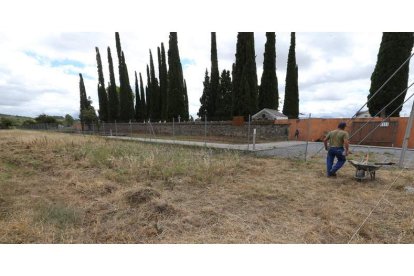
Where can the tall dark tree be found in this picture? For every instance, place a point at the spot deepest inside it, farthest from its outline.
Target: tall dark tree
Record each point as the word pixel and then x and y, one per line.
pixel 138 105
pixel 143 104
pixel 176 93
pixel 113 97
pixel 395 48
pixel 186 111
pixel 149 95
pixel 163 74
pixel 291 103
pixel 245 76
pixel 84 103
pixel 224 97
pixel 126 97
pixel 268 90
pixel 87 114
pixel 118 47
pixel 215 79
pixel 155 91
pixel 102 96
pixel 202 112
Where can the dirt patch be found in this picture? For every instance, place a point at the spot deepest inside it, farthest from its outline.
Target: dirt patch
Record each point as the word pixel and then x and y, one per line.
pixel 142 196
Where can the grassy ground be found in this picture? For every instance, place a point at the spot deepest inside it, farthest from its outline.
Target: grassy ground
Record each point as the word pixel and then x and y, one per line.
pixel 60 188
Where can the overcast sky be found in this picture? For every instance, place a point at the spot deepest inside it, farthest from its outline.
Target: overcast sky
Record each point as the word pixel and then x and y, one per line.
pixel 39 69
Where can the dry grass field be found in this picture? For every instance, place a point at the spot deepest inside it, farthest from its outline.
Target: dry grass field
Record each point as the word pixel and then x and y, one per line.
pixel 61 188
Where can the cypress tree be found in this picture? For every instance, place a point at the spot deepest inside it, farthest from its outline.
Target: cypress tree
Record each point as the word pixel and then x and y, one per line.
pixel 87 113
pixel 113 98
pixel 83 99
pixel 291 103
pixel 202 112
pixel 186 111
pixel 149 95
pixel 176 93
pixel 118 47
pixel 245 77
pixel 143 104
pixel 394 49
pixel 224 97
pixel 268 91
pixel 138 105
pixel 215 79
pixel 126 97
pixel 163 74
pixel 102 96
pixel 155 99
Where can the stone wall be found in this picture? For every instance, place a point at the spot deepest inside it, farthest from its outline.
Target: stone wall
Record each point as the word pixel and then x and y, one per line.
pixel 265 130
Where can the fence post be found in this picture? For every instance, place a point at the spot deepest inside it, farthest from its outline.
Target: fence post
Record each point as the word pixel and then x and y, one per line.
pixel 130 128
pixel 205 130
pixel 248 135
pixel 406 137
pixel 173 131
pixel 307 138
pixel 254 139
pixel 116 129
pixel 103 128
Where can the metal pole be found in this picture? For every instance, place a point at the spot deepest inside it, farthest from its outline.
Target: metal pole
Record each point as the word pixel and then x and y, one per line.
pixel 406 137
pixel 103 128
pixel 205 130
pixel 254 139
pixel 130 128
pixel 248 135
pixel 116 129
pixel 307 138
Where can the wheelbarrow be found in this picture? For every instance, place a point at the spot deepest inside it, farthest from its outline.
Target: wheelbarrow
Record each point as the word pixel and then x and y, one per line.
pixel 363 169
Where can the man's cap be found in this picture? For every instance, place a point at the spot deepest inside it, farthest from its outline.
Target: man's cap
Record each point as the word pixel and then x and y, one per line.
pixel 342 125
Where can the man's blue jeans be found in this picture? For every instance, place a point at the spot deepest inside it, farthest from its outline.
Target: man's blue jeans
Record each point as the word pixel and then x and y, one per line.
pixel 333 152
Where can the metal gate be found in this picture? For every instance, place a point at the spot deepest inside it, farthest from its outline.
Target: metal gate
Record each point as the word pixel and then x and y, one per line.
pixel 384 135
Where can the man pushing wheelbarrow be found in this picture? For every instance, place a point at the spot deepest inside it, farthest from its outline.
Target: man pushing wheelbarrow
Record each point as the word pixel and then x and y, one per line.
pixel 338 141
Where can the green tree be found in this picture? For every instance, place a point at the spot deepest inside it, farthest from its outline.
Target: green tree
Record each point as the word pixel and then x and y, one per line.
pixel 138 105
pixel 163 75
pixel 215 79
pixel 268 91
pixel 143 104
pixel 176 91
pixel 186 111
pixel 126 96
pixel 291 103
pixel 224 97
pixel 395 48
pixel 202 112
pixel 149 95
pixel 155 91
pixel 68 120
pixel 245 76
pixel 84 103
pixel 7 123
pixel 82 91
pixel 45 119
pixel 88 117
pixel 113 97
pixel 102 96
